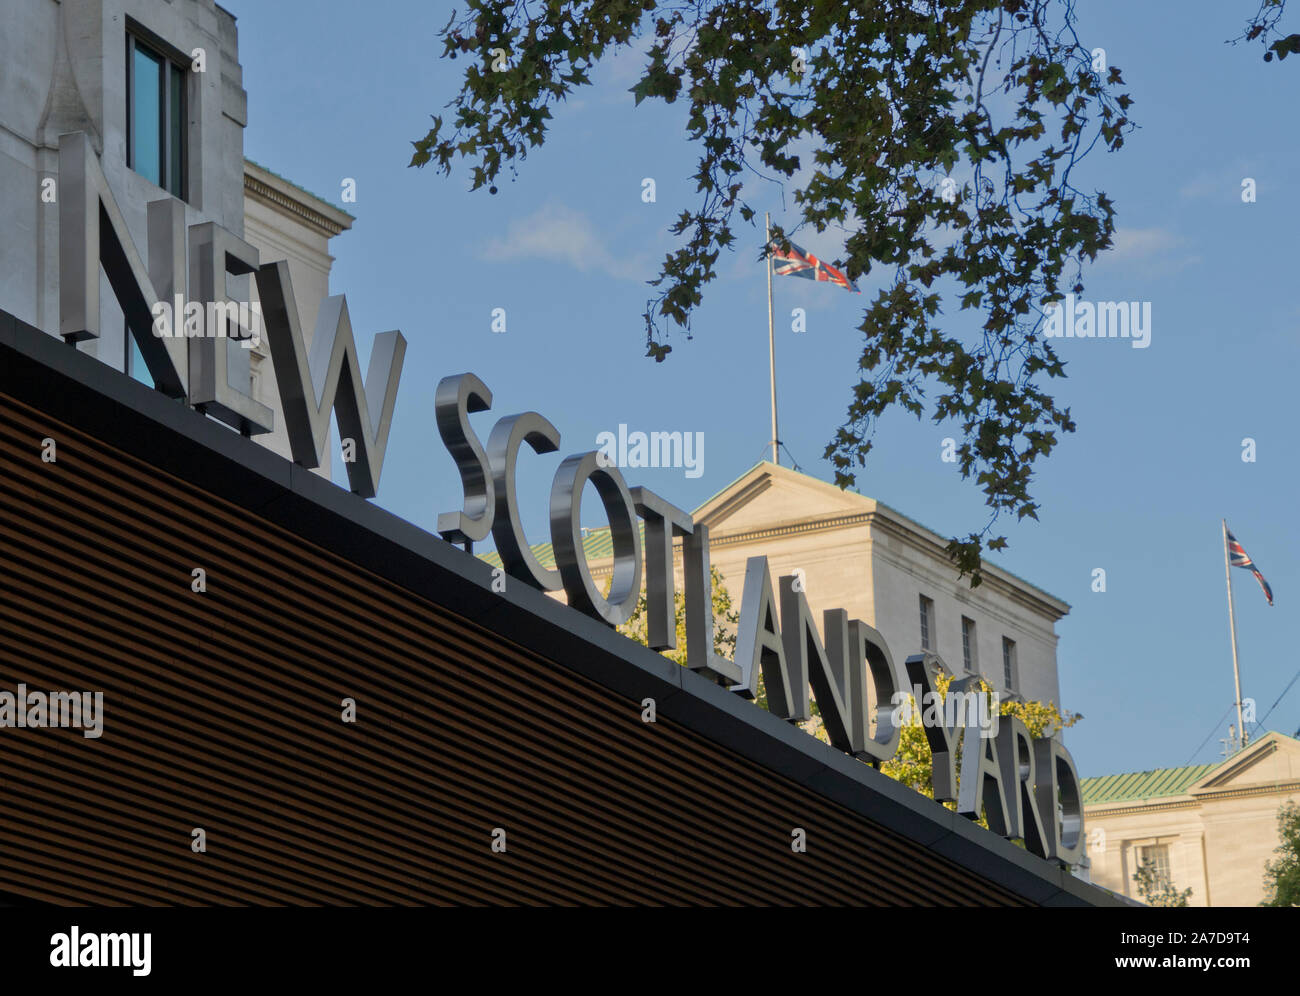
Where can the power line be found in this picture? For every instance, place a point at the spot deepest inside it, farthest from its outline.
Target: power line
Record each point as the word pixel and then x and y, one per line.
pixel 793 461
pixel 1275 704
pixel 1216 726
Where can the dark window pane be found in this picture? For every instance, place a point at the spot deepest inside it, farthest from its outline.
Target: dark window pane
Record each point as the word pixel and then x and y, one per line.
pixel 146 115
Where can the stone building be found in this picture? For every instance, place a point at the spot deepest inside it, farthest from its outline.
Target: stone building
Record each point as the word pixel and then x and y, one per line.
pixel 1207 827
pixel 157 89
pixel 893 573
pixel 879 566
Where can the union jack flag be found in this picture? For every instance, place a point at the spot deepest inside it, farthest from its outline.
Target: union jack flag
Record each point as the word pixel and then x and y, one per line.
pixel 1238 557
pixel 799 262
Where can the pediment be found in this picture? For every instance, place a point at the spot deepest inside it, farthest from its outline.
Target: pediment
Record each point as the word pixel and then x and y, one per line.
pixel 768 495
pixel 1273 759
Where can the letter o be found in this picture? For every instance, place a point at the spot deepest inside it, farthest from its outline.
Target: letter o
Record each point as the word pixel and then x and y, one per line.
pixel 566 538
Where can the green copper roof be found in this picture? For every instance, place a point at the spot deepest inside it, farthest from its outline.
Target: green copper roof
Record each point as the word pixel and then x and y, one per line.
pixel 595 545
pixel 1143 784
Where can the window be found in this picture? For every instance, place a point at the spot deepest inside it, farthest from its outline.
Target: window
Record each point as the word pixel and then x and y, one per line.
pixel 927 623
pixel 1009 663
pixel 135 365
pixel 1157 855
pixel 968 656
pixel 155 116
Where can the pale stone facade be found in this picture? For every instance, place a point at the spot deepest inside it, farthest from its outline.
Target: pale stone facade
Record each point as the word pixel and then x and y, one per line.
pixel 1214 833
pixel 875 563
pixel 64 69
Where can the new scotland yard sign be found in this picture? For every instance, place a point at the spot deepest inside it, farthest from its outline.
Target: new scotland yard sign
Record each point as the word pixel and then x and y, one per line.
pixel 1026 787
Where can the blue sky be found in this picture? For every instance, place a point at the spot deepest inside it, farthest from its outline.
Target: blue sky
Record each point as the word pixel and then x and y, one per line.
pixel 566 249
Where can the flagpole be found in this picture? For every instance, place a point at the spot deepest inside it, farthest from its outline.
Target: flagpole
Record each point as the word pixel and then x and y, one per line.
pixel 771 336
pixel 1232 628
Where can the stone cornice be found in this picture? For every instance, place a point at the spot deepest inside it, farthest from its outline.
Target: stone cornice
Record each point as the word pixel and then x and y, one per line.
pixel 878 518
pixel 1189 802
pixel 262 185
pixel 1004 584
pixel 794 527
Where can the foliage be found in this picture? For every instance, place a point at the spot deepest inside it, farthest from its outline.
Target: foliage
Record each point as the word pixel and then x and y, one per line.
pixel 913 764
pixel 1263 27
pixel 725 620
pixel 865 110
pixel 1155 889
pixel 1282 876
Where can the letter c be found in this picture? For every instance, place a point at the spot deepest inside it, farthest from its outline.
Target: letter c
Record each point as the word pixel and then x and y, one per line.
pixel 508 532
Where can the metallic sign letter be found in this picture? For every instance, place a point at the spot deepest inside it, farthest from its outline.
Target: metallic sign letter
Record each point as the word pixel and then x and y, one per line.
pixel 217 354
pixel 330 379
pixel 503 451
pixel 758 643
pixel 454 399
pixel 1016 753
pixel 921 669
pixel 806 659
pixel 865 669
pixel 848 668
pixel 566 538
pixel 1058 786
pixel 85 203
pixel 700 657
pixel 662 521
pixel 982 787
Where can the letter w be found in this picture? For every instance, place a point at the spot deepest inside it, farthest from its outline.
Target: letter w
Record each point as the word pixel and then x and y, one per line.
pixel 330 379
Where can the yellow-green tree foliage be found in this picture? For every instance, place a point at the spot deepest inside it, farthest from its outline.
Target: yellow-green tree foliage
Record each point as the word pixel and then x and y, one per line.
pixel 1156 889
pixel 1282 876
pixel 725 620
pixel 913 764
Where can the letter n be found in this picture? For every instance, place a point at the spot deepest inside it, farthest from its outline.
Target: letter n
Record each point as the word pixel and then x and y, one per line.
pixel 807 661
pixel 93 231
pixel 330 379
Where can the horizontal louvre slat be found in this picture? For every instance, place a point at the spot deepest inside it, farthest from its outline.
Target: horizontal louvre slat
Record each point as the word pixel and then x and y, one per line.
pixel 222 711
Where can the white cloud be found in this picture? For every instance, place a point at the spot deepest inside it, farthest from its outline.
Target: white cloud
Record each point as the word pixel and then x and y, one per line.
pixel 1222 183
pixel 1150 251
pixel 559 234
pixel 1141 243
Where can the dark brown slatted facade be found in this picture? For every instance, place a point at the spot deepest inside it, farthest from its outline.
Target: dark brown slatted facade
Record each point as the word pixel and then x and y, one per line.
pixel 222 711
